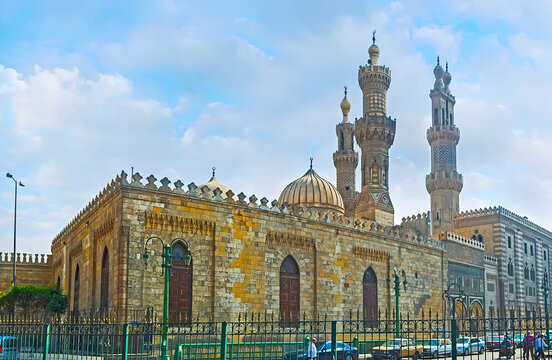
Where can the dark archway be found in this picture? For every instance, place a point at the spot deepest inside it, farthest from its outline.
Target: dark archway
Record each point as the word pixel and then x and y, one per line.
pixel 76 289
pixel 104 289
pixel 370 296
pixel 180 285
pixel 289 292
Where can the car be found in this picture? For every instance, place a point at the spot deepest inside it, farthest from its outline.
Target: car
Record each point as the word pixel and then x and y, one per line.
pixel 470 345
pixel 437 347
pixel 518 340
pixel 396 349
pixel 324 352
pixel 9 348
pixel 493 342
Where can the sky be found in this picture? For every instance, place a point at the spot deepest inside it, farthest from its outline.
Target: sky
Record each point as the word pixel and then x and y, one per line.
pixel 173 88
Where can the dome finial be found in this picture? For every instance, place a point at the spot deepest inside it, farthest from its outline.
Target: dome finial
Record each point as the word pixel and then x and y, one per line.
pixel 214 168
pixel 437 59
pixel 446 66
pixel 311 162
pixel 373 50
pixel 374 37
pixel 346 87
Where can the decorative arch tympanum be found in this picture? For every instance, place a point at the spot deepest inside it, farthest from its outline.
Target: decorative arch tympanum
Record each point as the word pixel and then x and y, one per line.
pixel 76 289
pixel 289 292
pixel 104 289
pixel 180 284
pixel 370 295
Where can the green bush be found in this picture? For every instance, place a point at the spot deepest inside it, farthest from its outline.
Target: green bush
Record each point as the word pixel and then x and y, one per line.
pixel 32 299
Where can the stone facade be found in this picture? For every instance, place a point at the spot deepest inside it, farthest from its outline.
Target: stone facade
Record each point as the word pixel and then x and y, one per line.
pixel 237 250
pixel 31 269
pixel 521 247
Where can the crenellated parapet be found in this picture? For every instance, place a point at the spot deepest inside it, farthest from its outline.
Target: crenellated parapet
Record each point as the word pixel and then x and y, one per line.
pixel 491 259
pixel 106 192
pixel 420 222
pixel 452 236
pixel 506 213
pixel 24 258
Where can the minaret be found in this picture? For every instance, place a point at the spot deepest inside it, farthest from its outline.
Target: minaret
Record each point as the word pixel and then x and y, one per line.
pixel 346 159
pixel 444 183
pixel 374 133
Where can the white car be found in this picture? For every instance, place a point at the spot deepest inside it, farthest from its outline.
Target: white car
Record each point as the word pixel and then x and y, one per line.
pixel 437 347
pixel 470 345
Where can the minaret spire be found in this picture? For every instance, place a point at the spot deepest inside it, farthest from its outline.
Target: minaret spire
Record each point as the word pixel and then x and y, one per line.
pixel 374 133
pixel 444 183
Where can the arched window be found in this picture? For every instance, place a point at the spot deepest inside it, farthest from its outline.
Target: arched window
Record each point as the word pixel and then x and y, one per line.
pixel 289 292
pixel 58 283
pixel 104 289
pixel 370 296
pixel 76 290
pixel 436 117
pixel 526 272
pixel 180 284
pixel 341 141
pixel 510 267
pixel 479 238
pixel 532 273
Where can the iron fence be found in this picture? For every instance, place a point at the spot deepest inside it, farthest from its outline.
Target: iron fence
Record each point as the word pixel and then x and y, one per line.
pixel 264 337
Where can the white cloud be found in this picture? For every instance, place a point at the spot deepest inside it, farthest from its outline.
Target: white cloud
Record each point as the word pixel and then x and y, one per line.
pixel 10 80
pixel 443 39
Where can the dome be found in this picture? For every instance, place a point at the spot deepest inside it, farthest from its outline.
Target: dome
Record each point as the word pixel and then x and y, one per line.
pixel 438 72
pixel 374 50
pixel 447 77
pixel 312 191
pixel 213 183
pixel 345 105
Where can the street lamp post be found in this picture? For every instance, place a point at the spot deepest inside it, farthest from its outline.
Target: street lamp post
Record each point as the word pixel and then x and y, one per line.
pixel 545 292
pixel 397 279
pixel 452 298
pixel 14 223
pixel 167 273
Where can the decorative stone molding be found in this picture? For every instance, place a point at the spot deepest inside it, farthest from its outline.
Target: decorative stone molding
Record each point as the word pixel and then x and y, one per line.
pixel 290 240
pixel 76 249
pixel 452 236
pixel 370 254
pixel 24 258
pixel 103 229
pixel 155 220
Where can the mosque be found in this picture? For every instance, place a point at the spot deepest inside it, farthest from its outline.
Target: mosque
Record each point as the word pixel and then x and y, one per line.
pixel 319 250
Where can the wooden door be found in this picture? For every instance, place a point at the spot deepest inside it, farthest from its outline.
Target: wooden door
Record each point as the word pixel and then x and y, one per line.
pixel 289 292
pixel 180 285
pixel 370 297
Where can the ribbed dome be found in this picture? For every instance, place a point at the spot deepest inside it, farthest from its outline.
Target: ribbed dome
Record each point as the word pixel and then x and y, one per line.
pixel 312 191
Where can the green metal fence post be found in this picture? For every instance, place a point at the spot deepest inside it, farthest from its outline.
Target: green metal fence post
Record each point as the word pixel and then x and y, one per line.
pixel 46 340
pixel 124 355
pixel 355 343
pixel 453 338
pixel 178 352
pixel 334 339
pixel 223 341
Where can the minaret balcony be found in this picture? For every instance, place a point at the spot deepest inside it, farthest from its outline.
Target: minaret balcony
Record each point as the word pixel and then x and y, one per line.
pixel 446 132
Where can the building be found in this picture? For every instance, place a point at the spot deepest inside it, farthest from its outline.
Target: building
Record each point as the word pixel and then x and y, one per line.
pixel 318 250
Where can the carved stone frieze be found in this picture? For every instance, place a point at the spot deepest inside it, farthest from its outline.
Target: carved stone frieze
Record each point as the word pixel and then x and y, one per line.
pixel 370 254
pixel 290 240
pixel 177 223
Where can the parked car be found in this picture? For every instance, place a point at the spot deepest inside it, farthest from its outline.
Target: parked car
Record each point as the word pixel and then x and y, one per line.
pixel 470 345
pixel 518 340
pixel 396 349
pixel 493 342
pixel 9 348
pixel 343 352
pixel 437 347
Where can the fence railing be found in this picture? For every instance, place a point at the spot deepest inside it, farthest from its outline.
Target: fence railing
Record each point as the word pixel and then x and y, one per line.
pixel 259 338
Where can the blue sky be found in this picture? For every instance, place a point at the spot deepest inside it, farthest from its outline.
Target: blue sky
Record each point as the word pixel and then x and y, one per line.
pixel 173 88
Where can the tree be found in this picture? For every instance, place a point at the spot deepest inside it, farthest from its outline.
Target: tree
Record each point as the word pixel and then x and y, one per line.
pixel 32 299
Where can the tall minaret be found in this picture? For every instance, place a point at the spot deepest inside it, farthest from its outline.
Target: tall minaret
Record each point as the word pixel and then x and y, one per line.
pixel 444 183
pixel 346 159
pixel 374 133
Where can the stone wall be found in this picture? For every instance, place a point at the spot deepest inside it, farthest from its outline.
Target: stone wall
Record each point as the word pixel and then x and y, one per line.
pixel 237 247
pixel 31 269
